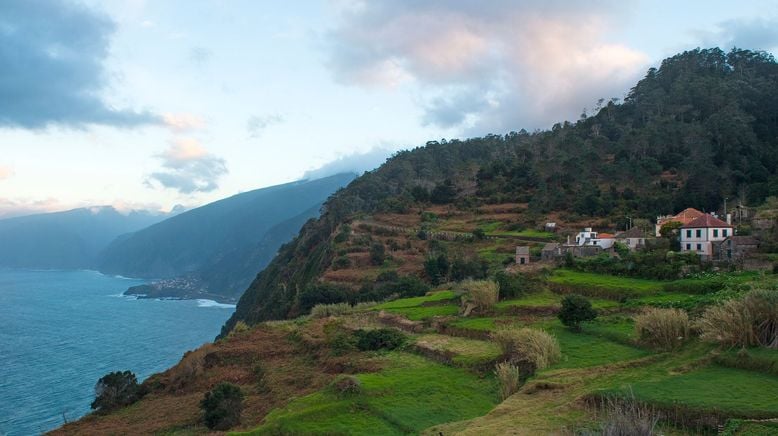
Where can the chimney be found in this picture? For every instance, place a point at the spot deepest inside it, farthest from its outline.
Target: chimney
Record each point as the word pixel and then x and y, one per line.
pixel 729 219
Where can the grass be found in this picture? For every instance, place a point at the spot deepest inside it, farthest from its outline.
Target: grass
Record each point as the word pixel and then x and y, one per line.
pixel 467 352
pixel 594 346
pixel 426 312
pixel 550 299
pixel 409 395
pixel 583 281
pixel 732 391
pixel 417 301
pixel 486 324
pixel 528 233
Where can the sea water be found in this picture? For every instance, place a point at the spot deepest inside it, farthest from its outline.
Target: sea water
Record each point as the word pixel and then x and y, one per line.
pixel 60 331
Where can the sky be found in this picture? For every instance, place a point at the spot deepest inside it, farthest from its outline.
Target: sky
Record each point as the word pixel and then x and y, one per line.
pixel 147 104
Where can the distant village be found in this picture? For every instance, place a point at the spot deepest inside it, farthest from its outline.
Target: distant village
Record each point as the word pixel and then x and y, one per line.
pixel 715 239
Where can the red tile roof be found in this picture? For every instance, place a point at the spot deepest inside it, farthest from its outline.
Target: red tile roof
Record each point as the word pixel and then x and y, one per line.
pixel 605 236
pixel 685 216
pixel 706 221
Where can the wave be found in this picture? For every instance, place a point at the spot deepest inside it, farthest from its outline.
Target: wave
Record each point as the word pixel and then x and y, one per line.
pixel 211 303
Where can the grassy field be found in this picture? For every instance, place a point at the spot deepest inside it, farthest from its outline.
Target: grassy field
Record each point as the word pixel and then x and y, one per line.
pixel 732 391
pixel 411 394
pixel 551 300
pixel 607 285
pixel 466 352
pixel 592 347
pixel 439 296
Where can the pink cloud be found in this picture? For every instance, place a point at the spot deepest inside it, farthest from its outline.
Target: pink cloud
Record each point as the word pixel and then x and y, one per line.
pixel 5 172
pixel 183 122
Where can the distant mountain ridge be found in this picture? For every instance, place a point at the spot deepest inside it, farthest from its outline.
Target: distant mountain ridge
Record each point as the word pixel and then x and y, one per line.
pixel 71 239
pixel 217 249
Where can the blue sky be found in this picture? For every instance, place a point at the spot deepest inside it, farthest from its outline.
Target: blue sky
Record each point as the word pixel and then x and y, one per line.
pixel 149 104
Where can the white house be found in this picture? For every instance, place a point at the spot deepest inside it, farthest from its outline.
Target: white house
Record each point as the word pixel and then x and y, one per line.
pixel 700 235
pixel 592 238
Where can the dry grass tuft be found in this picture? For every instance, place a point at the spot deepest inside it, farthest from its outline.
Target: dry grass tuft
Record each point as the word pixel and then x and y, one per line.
pixel 747 322
pixel 628 417
pixel 509 376
pixel 663 329
pixel 529 346
pixel 479 294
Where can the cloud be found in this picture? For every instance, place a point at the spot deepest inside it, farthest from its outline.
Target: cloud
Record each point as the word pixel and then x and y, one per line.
pixel 256 125
pixel 188 168
pixel 490 66
pixel 5 172
pixel 351 163
pixel 752 34
pixel 10 208
pixel 183 122
pixel 53 69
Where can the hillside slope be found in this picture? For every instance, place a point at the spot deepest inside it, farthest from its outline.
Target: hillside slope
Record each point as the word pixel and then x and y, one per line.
pixel 223 238
pixel 66 240
pixel 702 127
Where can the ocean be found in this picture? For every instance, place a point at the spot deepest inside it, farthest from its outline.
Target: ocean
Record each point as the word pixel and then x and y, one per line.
pixel 60 331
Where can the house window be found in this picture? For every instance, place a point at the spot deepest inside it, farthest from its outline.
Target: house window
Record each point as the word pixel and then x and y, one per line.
pixel 699 247
pixel 699 233
pixel 688 233
pixel 724 232
pixel 715 233
pixel 688 246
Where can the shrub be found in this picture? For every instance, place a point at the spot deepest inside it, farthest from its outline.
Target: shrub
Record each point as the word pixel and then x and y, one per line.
pixel 347 385
pixel 576 310
pixel 222 406
pixel 664 329
pixel 529 346
pixel 341 262
pixel 190 367
pixel 239 328
pixel 509 378
pixel 627 417
pixel 115 390
pixel 371 340
pixel 510 285
pixel 377 253
pixel 480 294
pixel 747 322
pixel 335 309
pixel 479 234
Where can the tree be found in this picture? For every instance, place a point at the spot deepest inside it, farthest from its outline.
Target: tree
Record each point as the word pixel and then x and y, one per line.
pixel 443 194
pixel 575 310
pixel 222 406
pixel 377 253
pixel 115 390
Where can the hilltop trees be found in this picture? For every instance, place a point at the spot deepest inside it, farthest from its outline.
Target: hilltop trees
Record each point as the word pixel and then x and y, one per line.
pixel 115 390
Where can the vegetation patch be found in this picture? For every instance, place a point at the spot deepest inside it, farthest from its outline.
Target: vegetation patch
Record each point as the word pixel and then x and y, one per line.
pixel 734 392
pixel 411 394
pixel 599 285
pixel 463 352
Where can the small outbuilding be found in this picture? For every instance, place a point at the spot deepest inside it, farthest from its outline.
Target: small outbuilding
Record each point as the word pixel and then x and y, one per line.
pixel 522 255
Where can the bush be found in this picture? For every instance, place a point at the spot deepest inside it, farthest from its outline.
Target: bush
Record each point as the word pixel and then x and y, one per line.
pixel 372 340
pixel 480 294
pixel 509 378
pixel 529 346
pixel 627 417
pixel 347 385
pixel 222 406
pixel 335 309
pixel 239 328
pixel 510 285
pixel 190 367
pixel 479 234
pixel 747 322
pixel 115 390
pixel 664 329
pixel 377 254
pixel 576 310
pixel 341 262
